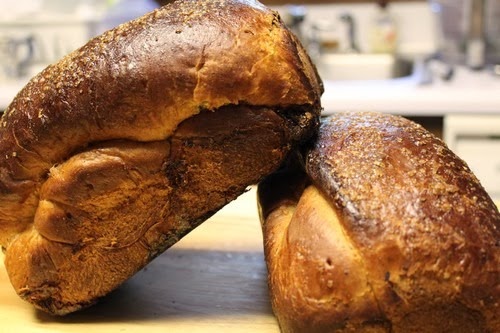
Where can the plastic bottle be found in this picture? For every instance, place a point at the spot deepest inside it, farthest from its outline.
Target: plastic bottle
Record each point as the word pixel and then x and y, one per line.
pixel 384 34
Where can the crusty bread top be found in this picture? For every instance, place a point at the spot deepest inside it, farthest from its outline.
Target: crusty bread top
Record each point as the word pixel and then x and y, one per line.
pixel 386 204
pixel 140 80
pixel 413 208
pixel 378 167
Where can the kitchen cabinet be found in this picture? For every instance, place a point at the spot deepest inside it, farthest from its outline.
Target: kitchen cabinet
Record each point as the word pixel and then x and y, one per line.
pixel 433 124
pixel 476 139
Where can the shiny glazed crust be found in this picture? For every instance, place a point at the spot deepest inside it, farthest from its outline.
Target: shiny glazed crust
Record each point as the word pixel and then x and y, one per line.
pixel 384 229
pixel 111 155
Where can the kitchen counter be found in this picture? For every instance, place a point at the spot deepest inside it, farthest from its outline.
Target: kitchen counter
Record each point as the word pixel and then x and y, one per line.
pixel 213 280
pixel 467 92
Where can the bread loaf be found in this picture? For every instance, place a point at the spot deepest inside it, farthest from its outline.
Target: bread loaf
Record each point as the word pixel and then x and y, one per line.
pixel 380 228
pixel 111 155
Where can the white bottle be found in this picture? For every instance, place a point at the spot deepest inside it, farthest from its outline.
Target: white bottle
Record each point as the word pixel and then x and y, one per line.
pixel 476 47
pixel 384 32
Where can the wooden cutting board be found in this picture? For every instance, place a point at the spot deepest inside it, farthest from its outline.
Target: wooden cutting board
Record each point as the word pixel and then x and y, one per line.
pixel 213 280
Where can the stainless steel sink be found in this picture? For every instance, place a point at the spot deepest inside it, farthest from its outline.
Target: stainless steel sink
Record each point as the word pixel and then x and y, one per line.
pixel 363 66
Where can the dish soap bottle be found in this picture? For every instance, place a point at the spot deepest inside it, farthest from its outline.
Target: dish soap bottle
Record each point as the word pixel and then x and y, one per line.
pixel 384 34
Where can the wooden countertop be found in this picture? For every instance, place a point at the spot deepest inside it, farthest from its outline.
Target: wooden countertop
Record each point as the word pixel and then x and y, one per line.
pixel 213 280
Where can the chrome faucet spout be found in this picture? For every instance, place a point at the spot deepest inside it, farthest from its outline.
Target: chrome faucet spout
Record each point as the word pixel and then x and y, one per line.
pixel 295 17
pixel 475 51
pixel 351 32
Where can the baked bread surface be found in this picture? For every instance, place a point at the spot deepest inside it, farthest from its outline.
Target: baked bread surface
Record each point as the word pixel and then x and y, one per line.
pixel 384 229
pixel 111 155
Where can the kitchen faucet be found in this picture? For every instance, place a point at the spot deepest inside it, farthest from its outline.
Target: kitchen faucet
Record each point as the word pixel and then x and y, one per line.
pixel 351 32
pixel 294 19
pixel 475 52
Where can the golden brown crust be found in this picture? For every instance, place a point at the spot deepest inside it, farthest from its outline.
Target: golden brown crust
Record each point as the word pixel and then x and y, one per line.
pixel 111 155
pixel 406 220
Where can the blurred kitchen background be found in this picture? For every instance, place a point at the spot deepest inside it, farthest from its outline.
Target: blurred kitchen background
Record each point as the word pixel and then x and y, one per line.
pixel 434 61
